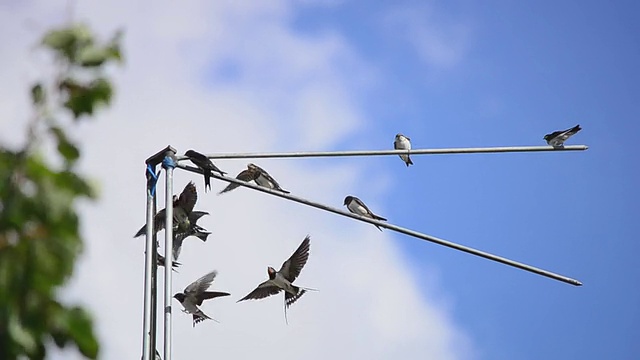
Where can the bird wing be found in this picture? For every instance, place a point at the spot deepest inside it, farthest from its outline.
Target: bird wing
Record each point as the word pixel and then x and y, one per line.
pixel 262 291
pixel 266 175
pixel 291 268
pixel 245 175
pixel 201 285
pixel 210 295
pixel 158 223
pixel 177 244
pixel 195 215
pixel 188 198
pixel 360 203
pixel 197 158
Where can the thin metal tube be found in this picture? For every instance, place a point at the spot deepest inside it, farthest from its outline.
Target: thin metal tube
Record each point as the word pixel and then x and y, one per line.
pixel 154 289
pixel 501 149
pixel 396 228
pixel 168 255
pixel 148 269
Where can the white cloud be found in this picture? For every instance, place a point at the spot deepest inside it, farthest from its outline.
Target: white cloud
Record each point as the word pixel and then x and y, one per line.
pixel 290 91
pixel 439 41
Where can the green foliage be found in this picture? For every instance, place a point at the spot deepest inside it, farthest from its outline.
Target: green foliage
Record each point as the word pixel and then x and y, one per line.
pixel 39 224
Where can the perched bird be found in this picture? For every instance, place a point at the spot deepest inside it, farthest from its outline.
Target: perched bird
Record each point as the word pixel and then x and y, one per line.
pixel 174 264
pixel 283 279
pixel 557 138
pixel 356 206
pixel 403 143
pixel 195 294
pixel 205 165
pixel 246 175
pixel 183 214
pixel 264 179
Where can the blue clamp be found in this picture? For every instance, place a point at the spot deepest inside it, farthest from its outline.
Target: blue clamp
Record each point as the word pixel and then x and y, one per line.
pixel 152 180
pixel 169 162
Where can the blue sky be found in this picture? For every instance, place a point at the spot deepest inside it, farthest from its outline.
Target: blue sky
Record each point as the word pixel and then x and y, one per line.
pixel 524 69
pixel 336 75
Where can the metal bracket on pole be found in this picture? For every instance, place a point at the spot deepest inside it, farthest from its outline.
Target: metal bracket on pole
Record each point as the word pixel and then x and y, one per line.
pixel 169 162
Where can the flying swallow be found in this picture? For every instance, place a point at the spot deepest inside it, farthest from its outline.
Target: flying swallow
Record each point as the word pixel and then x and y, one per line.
pixel 194 294
pixel 283 279
pixel 194 230
pixel 183 214
pixel 357 207
pixel 205 165
pixel 557 138
pixel 264 179
pixel 246 175
pixel 403 143
pixel 174 264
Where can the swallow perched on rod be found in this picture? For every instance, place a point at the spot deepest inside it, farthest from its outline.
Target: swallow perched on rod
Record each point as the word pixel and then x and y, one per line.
pixel 247 175
pixel 194 294
pixel 402 142
pixel 283 279
pixel 357 207
pixel 557 138
pixel 264 179
pixel 205 164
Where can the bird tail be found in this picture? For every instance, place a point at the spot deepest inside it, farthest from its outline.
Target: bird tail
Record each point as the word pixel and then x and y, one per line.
pixel 199 317
pixel 409 162
pixel 289 298
pixel 207 179
pixel 201 233
pixel 378 217
pixel 575 129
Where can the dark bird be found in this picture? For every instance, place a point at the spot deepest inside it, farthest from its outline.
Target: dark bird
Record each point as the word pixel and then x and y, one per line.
pixel 194 230
pixel 174 264
pixel 264 179
pixel 402 142
pixel 183 214
pixel 246 175
pixel 205 165
pixel 557 138
pixel 357 207
pixel 195 294
pixel 283 279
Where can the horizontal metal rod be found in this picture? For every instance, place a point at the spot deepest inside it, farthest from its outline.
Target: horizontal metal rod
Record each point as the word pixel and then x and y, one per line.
pixel 501 149
pixel 396 228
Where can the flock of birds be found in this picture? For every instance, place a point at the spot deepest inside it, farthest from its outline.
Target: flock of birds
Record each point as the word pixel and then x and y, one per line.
pixel 185 220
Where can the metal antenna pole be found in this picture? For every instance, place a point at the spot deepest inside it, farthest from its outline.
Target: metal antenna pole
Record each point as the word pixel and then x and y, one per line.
pixel 154 290
pixel 168 163
pixel 399 229
pixel 148 265
pixel 500 149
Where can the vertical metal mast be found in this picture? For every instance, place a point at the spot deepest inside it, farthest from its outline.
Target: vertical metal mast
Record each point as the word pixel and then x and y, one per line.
pixel 148 264
pixel 168 163
pixel 151 255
